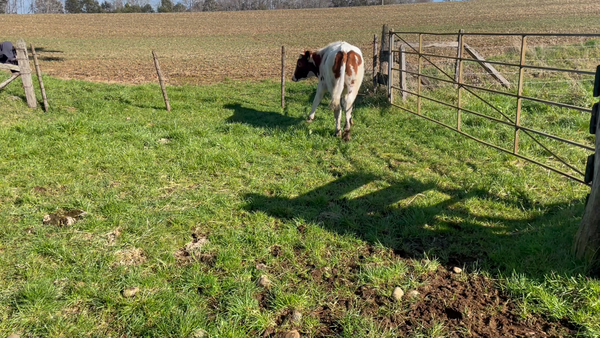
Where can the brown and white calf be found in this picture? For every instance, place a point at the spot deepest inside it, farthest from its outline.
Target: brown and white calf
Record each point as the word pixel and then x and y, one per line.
pixel 340 69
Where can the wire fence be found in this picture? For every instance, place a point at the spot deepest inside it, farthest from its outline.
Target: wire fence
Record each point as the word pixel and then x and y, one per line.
pixel 529 95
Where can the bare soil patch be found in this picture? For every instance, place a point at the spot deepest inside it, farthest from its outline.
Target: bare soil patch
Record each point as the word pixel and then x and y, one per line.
pixel 134 256
pixel 465 305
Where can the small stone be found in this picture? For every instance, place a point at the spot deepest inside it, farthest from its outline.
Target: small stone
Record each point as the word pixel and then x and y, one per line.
pixel 67 221
pixel 261 266
pixel 398 293
pixel 296 317
pixel 164 141
pixel 264 281
pixel 130 292
pixel 128 118
pixel 199 334
pixel 456 269
pixel 413 294
pixel 290 334
pixel 47 219
pixel 14 335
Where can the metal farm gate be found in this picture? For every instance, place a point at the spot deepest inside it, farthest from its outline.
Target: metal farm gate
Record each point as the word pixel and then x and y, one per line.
pixel 515 84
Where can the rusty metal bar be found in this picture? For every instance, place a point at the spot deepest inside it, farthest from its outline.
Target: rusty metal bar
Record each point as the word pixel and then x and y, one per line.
pixel 519 96
pixel 581 72
pixel 508 34
pixel 558 104
pixel 495 146
pixel 510 124
pixel 520 93
pixel 448 75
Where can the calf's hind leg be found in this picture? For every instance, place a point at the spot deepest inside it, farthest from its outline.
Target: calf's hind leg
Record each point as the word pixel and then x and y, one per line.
pixel 348 104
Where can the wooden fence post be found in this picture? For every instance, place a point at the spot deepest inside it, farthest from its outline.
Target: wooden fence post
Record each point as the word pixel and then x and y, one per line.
pixel 420 68
pixel 403 84
pixel 375 63
pixel 38 71
pixel 458 78
pixel 9 80
pixel 282 77
pixel 161 81
pixel 390 66
pixel 587 240
pixel 25 70
pixel 520 93
pixel 384 53
pixel 459 49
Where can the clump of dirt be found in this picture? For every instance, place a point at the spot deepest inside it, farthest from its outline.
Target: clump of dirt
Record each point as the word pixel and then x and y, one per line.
pixel 129 257
pixel 193 250
pixel 276 250
pixel 64 218
pixel 111 237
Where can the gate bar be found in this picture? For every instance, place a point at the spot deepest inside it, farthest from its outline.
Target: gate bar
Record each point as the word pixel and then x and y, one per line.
pixel 581 72
pixel 510 34
pixel 494 146
pixel 520 93
pixel 558 104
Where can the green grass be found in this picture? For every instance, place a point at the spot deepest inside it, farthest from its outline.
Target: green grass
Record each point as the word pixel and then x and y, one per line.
pixel 265 188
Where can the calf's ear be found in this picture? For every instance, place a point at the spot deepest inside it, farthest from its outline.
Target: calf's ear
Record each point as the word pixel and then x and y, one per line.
pixel 307 54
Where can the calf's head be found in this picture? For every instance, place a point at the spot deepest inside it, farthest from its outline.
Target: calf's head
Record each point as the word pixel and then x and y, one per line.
pixel 307 66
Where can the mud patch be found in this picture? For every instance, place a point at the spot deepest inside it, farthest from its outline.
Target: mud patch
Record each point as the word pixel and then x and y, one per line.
pixel 64 218
pixel 193 251
pixel 111 237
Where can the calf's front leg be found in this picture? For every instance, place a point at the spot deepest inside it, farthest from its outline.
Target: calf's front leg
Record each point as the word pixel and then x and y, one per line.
pixel 316 101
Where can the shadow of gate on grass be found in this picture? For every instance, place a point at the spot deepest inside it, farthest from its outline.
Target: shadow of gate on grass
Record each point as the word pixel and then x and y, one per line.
pixel 446 230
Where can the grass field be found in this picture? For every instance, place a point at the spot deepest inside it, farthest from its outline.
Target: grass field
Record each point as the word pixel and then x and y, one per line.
pixel 195 206
pixel 199 48
pixel 230 217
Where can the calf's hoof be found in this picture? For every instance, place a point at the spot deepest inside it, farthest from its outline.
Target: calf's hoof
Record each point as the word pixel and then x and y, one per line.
pixel 309 120
pixel 337 133
pixel 346 135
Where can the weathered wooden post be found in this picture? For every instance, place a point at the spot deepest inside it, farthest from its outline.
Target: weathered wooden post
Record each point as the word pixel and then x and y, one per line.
pixel 384 54
pixel 11 78
pixel 587 240
pixel 459 49
pixel 38 71
pixel 520 93
pixel 25 71
pixel 282 77
pixel 420 69
pixel 458 78
pixel 375 63
pixel 403 84
pixel 390 66
pixel 161 81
